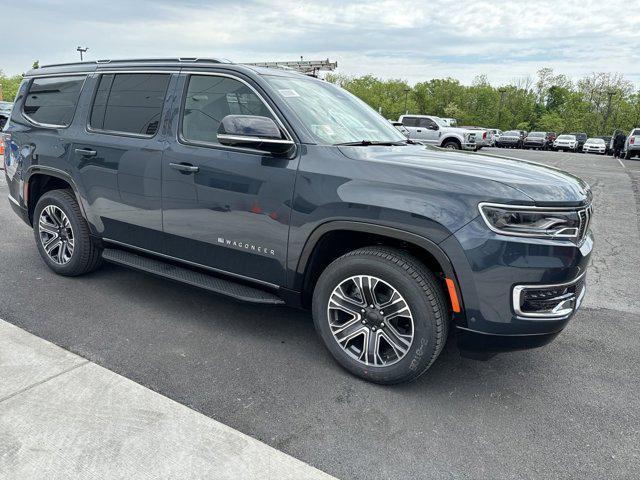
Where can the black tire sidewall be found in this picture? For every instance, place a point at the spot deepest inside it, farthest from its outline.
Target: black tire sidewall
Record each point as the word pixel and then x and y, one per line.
pixel 60 200
pixel 424 344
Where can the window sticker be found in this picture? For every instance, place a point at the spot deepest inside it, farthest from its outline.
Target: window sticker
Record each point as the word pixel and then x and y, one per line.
pixel 288 93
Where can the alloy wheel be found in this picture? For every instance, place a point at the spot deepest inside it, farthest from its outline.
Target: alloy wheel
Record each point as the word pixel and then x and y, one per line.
pixel 56 234
pixel 370 320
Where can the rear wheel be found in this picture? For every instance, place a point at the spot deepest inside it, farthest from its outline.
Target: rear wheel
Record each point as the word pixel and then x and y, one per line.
pixel 382 314
pixel 451 144
pixel 62 235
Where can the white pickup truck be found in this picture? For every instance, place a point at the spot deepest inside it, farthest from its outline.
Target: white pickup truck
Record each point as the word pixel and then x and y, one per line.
pixel 435 131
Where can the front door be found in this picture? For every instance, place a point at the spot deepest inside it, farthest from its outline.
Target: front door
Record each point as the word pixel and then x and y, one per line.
pixel 225 208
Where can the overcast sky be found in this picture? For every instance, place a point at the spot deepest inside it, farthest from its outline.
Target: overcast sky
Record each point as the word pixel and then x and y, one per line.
pixel 416 40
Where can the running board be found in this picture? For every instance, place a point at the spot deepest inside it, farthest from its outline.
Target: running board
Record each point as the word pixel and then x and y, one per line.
pixel 191 277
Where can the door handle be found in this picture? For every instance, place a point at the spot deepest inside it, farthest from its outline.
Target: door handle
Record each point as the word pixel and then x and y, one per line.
pixel 184 167
pixel 85 152
pixel 418 130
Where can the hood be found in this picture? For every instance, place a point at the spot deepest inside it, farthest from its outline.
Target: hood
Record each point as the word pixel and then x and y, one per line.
pixel 544 186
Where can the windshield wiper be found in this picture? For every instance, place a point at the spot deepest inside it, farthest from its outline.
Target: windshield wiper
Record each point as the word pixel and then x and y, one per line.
pixel 366 143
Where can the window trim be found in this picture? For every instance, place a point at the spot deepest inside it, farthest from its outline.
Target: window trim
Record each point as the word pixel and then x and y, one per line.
pixel 195 143
pixel 52 126
pixel 117 133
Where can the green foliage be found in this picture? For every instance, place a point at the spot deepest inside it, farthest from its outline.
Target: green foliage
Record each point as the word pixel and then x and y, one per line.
pixel 596 104
pixel 9 86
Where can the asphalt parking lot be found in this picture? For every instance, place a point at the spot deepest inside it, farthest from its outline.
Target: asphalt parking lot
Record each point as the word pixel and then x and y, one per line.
pixel 568 410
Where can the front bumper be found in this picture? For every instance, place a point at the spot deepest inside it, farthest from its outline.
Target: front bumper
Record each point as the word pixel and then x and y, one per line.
pixel 493 271
pixel 594 150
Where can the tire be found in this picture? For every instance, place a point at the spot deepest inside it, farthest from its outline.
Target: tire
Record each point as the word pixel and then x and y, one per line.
pixel 83 256
pixel 417 287
pixel 451 144
pixel 627 155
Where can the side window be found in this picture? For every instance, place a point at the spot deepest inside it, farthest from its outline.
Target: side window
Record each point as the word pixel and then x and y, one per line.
pixel 52 100
pixel 426 123
pixel 410 121
pixel 209 99
pixel 129 102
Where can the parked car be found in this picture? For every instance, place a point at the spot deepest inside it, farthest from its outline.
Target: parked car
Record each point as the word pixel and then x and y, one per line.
pixel 607 141
pixel 595 145
pixel 581 138
pixel 632 145
pixel 229 178
pixel 510 139
pixel 566 143
pixel 5 113
pixel 434 131
pixel 538 140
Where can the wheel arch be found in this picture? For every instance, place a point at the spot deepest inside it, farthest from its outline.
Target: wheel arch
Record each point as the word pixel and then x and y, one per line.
pixel 40 179
pixel 450 138
pixel 335 238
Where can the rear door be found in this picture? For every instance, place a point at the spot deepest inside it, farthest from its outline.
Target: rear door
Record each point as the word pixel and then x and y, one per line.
pixel 118 156
pixel 225 208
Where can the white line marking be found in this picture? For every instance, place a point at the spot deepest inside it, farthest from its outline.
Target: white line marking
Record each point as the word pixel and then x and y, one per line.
pixel 620 162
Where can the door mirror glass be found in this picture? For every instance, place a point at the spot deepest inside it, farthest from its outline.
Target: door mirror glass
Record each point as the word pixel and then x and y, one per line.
pixel 432 126
pixel 250 131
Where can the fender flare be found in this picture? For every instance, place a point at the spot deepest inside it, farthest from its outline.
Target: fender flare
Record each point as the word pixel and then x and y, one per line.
pixel 53 172
pixel 418 240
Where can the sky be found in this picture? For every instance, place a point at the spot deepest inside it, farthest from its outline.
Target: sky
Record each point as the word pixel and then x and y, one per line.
pixel 411 40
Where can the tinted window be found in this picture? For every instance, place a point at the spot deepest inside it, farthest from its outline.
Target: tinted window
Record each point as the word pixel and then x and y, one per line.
pixel 410 121
pixel 53 100
pixel 129 102
pixel 426 123
pixel 209 99
pixel 636 132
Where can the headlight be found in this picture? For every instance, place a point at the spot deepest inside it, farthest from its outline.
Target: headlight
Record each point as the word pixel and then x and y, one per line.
pixel 531 222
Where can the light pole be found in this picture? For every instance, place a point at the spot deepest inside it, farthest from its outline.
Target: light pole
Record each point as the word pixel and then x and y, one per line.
pixel 502 93
pixel 406 96
pixel 82 50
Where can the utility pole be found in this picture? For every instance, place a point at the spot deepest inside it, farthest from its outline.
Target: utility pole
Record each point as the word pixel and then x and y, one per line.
pixel 502 91
pixel 610 94
pixel 82 50
pixel 406 96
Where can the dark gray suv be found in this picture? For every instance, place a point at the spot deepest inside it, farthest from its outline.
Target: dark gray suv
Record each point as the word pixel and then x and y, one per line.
pixel 276 188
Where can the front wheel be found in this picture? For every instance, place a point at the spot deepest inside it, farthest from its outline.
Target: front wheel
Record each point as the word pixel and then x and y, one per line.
pixel 382 314
pixel 62 235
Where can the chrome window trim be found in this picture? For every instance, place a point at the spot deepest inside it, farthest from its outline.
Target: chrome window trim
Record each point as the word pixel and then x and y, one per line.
pixel 194 264
pixel 181 139
pixel 52 125
pixel 585 208
pixel 518 289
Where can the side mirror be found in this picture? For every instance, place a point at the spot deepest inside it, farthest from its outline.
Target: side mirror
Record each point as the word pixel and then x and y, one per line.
pixel 250 131
pixel 433 126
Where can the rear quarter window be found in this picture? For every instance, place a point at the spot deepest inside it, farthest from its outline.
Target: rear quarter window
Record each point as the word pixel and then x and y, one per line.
pixel 52 101
pixel 636 132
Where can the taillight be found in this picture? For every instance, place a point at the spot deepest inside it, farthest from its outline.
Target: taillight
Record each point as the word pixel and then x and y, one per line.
pixel 632 140
pixel 484 136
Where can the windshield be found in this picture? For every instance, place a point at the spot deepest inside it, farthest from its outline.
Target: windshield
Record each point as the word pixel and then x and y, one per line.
pixel 566 137
pixel 511 133
pixel 536 134
pixel 596 140
pixel 331 114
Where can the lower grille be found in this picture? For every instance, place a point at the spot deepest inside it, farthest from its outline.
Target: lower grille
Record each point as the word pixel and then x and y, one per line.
pixel 548 301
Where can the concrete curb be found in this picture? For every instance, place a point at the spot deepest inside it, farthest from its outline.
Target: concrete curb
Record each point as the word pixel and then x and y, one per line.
pixel 64 417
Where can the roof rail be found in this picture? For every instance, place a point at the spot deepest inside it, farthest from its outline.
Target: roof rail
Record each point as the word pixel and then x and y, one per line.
pixel 143 60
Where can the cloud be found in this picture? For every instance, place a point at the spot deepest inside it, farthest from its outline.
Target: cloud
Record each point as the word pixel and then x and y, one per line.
pixel 388 38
